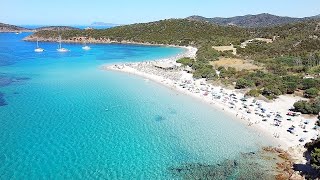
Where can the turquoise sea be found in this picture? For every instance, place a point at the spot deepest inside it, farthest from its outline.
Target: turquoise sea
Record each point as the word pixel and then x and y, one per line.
pixel 61 117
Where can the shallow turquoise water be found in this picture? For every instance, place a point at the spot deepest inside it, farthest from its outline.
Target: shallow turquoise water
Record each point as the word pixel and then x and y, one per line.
pixel 66 118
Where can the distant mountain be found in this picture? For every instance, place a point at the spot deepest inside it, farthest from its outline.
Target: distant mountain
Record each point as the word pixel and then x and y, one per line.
pixel 252 21
pixel 56 28
pixel 103 24
pixel 315 17
pixel 12 28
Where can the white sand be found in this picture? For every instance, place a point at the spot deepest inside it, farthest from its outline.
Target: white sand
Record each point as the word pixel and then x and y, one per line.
pixel 222 99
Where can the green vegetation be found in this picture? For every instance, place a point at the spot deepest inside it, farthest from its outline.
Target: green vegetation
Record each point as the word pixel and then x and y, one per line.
pixel 310 83
pixel 314 150
pixel 254 93
pixel 186 61
pixel 243 83
pixel 305 107
pixel 206 53
pixel 311 93
pixel 205 72
pixel 201 68
pixel 294 40
pixel 252 21
pixel 172 31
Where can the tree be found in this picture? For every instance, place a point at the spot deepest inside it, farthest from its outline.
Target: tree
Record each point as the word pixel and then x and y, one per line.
pixel 243 83
pixel 316 105
pixel 291 87
pixel 305 107
pixel 186 61
pixel 311 93
pixel 277 69
pixel 271 91
pixel 315 158
pixel 299 106
pixel 253 93
pixel 313 148
pixel 309 83
pixel 205 72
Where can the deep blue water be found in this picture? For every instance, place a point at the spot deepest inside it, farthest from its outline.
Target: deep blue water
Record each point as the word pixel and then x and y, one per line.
pixel 61 117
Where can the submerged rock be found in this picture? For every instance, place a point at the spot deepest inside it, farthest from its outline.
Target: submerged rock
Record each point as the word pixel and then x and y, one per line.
pixel 159 118
pixel 2 100
pixel 252 165
pixel 6 80
pixel 205 171
pixel 17 79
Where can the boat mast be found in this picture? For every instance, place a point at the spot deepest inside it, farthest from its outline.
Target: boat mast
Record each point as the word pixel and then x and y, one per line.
pixel 59 38
pixel 59 42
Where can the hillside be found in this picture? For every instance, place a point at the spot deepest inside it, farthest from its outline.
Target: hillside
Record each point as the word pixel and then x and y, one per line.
pixel 295 39
pixel 12 28
pixel 172 31
pixel 252 21
pixel 56 28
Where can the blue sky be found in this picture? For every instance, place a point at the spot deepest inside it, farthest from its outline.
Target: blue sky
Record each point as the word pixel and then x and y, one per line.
pixel 84 12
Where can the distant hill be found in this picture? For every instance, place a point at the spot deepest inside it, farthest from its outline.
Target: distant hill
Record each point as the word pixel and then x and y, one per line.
pixel 103 24
pixel 56 28
pixel 252 21
pixel 12 28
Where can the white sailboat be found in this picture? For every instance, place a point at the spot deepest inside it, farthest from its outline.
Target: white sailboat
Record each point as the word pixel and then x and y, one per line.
pixel 60 48
pixel 38 49
pixel 85 47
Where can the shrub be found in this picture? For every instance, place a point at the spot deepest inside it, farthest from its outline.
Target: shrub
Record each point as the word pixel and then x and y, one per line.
pixel 230 72
pixel 271 92
pixel 291 87
pixel 253 93
pixel 205 72
pixel 315 158
pixel 314 149
pixel 207 53
pixel 311 93
pixel 243 83
pixel 186 61
pixel 309 83
pixel 305 107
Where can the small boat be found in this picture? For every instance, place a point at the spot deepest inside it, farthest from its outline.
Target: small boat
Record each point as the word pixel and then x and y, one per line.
pixel 60 48
pixel 85 47
pixel 38 49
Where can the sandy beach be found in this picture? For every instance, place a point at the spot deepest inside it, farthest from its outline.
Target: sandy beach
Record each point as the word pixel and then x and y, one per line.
pixel 291 131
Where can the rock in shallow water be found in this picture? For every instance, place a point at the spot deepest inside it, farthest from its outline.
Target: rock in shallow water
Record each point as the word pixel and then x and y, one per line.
pixel 159 118
pixel 247 166
pixel 6 80
pixel 2 100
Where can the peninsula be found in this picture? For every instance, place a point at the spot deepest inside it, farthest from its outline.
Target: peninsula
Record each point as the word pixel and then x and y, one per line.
pixel 13 28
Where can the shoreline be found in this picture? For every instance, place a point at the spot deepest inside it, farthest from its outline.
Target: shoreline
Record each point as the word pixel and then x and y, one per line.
pixel 78 40
pixel 278 134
